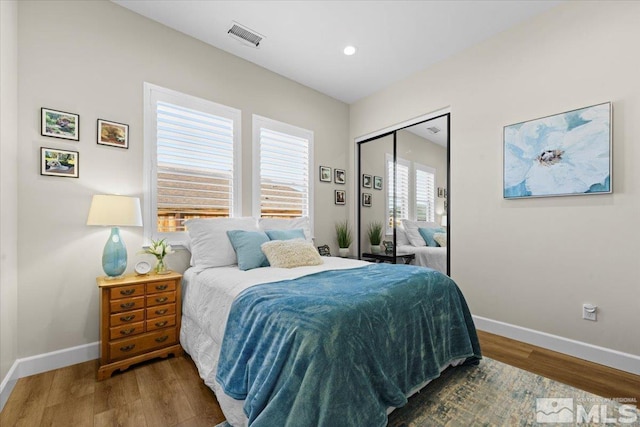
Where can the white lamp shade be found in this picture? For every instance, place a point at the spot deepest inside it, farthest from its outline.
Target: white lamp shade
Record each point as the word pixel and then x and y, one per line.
pixel 114 211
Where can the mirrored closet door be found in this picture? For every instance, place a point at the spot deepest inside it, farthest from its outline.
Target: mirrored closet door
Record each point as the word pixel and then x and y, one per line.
pixel 403 195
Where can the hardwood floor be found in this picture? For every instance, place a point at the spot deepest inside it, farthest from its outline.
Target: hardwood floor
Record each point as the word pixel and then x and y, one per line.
pixel 169 392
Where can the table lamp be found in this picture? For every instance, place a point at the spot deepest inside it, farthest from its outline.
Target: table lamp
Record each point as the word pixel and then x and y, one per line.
pixel 114 211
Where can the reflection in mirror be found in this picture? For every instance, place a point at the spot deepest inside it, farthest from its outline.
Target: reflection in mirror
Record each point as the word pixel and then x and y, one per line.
pixel 373 193
pixel 403 188
pixel 421 193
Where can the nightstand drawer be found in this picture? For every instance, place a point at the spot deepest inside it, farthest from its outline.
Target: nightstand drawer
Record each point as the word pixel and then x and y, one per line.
pixel 160 322
pixel 126 304
pixel 169 285
pixel 160 310
pixel 126 291
pixel 123 331
pixel 126 318
pixel 161 298
pixel 140 344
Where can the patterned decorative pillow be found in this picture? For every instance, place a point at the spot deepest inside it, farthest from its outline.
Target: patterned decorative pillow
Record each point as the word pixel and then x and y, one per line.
pixel 441 239
pixel 291 253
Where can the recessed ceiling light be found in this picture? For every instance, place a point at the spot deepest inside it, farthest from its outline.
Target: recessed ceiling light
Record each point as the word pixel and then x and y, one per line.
pixel 349 50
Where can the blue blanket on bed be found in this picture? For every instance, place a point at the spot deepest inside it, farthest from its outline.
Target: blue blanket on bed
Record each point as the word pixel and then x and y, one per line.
pixel 337 348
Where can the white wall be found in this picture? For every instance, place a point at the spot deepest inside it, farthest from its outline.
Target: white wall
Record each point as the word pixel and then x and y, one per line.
pixel 8 185
pixel 91 58
pixel 533 263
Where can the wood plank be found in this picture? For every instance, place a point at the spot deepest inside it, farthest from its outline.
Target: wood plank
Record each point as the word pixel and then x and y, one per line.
pixel 26 404
pixel 72 382
pixel 127 415
pixel 76 412
pixel 116 391
pixel 165 404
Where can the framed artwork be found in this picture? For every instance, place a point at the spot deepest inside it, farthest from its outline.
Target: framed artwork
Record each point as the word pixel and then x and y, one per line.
pixel 324 250
pixel 377 182
pixel 559 155
pixel 54 162
pixel 340 177
pixel 366 181
pixel 113 134
pixel 325 174
pixel 366 200
pixel 59 124
pixel 340 197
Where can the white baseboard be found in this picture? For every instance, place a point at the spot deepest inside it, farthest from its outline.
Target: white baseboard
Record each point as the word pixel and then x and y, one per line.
pixel 46 362
pixel 593 353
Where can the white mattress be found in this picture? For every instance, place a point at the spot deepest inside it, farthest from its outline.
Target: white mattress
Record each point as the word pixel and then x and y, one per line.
pixel 427 256
pixel 207 299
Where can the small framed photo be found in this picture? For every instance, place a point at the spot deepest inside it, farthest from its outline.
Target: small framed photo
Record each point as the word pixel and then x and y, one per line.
pixel 325 174
pixel 340 177
pixel 366 181
pixel 388 247
pixel 324 250
pixel 59 124
pixel 366 200
pixel 377 182
pixel 113 134
pixel 340 197
pixel 440 192
pixel 54 162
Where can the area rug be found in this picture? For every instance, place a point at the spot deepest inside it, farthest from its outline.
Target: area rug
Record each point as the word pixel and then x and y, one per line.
pixel 496 394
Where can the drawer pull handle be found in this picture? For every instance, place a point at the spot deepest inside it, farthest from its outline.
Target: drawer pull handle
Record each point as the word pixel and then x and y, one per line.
pixel 128 318
pixel 161 311
pixel 161 324
pixel 128 347
pixel 162 339
pixel 127 291
pixel 161 287
pixel 127 331
pixel 128 305
pixel 163 299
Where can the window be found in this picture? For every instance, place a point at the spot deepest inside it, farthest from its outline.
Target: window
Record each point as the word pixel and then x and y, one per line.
pixel 425 193
pixel 402 191
pixel 192 167
pixel 283 165
pixel 411 179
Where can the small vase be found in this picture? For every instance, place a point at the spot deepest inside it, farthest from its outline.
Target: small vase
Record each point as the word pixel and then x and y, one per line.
pixel 375 249
pixel 161 267
pixel 343 252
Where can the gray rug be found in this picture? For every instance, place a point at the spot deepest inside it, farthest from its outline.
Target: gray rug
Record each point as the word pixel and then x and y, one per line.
pixel 496 394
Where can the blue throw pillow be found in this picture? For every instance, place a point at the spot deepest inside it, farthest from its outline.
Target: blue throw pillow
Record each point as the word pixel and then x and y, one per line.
pixel 247 247
pixel 297 233
pixel 427 235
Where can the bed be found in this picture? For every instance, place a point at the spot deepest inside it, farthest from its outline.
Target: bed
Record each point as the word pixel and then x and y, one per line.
pixel 429 253
pixel 339 343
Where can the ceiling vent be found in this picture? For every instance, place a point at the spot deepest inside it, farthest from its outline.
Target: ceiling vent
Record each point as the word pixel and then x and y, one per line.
pixel 434 129
pixel 245 35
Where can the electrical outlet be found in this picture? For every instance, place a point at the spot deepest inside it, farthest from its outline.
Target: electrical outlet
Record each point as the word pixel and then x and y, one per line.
pixel 589 312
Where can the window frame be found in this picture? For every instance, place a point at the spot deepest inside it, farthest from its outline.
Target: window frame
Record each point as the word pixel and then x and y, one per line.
pixel 430 170
pixel 259 122
pixel 153 94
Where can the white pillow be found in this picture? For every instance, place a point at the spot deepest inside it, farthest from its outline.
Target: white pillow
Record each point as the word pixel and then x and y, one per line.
pixel 401 236
pixel 291 253
pixel 287 224
pixel 411 228
pixel 441 239
pixel 210 245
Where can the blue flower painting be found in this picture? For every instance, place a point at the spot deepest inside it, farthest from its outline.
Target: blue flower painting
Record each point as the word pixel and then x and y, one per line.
pixel 564 154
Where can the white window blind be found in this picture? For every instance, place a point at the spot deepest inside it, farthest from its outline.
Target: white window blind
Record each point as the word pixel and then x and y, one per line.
pixel 402 192
pixel 284 186
pixel 425 193
pixel 192 150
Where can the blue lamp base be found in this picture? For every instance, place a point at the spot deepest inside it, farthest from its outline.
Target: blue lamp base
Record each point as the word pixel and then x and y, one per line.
pixel 114 257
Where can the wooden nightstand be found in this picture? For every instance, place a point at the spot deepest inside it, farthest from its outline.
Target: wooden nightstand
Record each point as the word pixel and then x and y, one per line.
pixel 139 320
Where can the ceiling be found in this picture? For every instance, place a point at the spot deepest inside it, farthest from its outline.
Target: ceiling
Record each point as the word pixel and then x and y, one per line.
pixel 304 39
pixel 423 131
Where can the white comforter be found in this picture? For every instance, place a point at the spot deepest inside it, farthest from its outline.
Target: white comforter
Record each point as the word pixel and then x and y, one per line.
pixel 426 256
